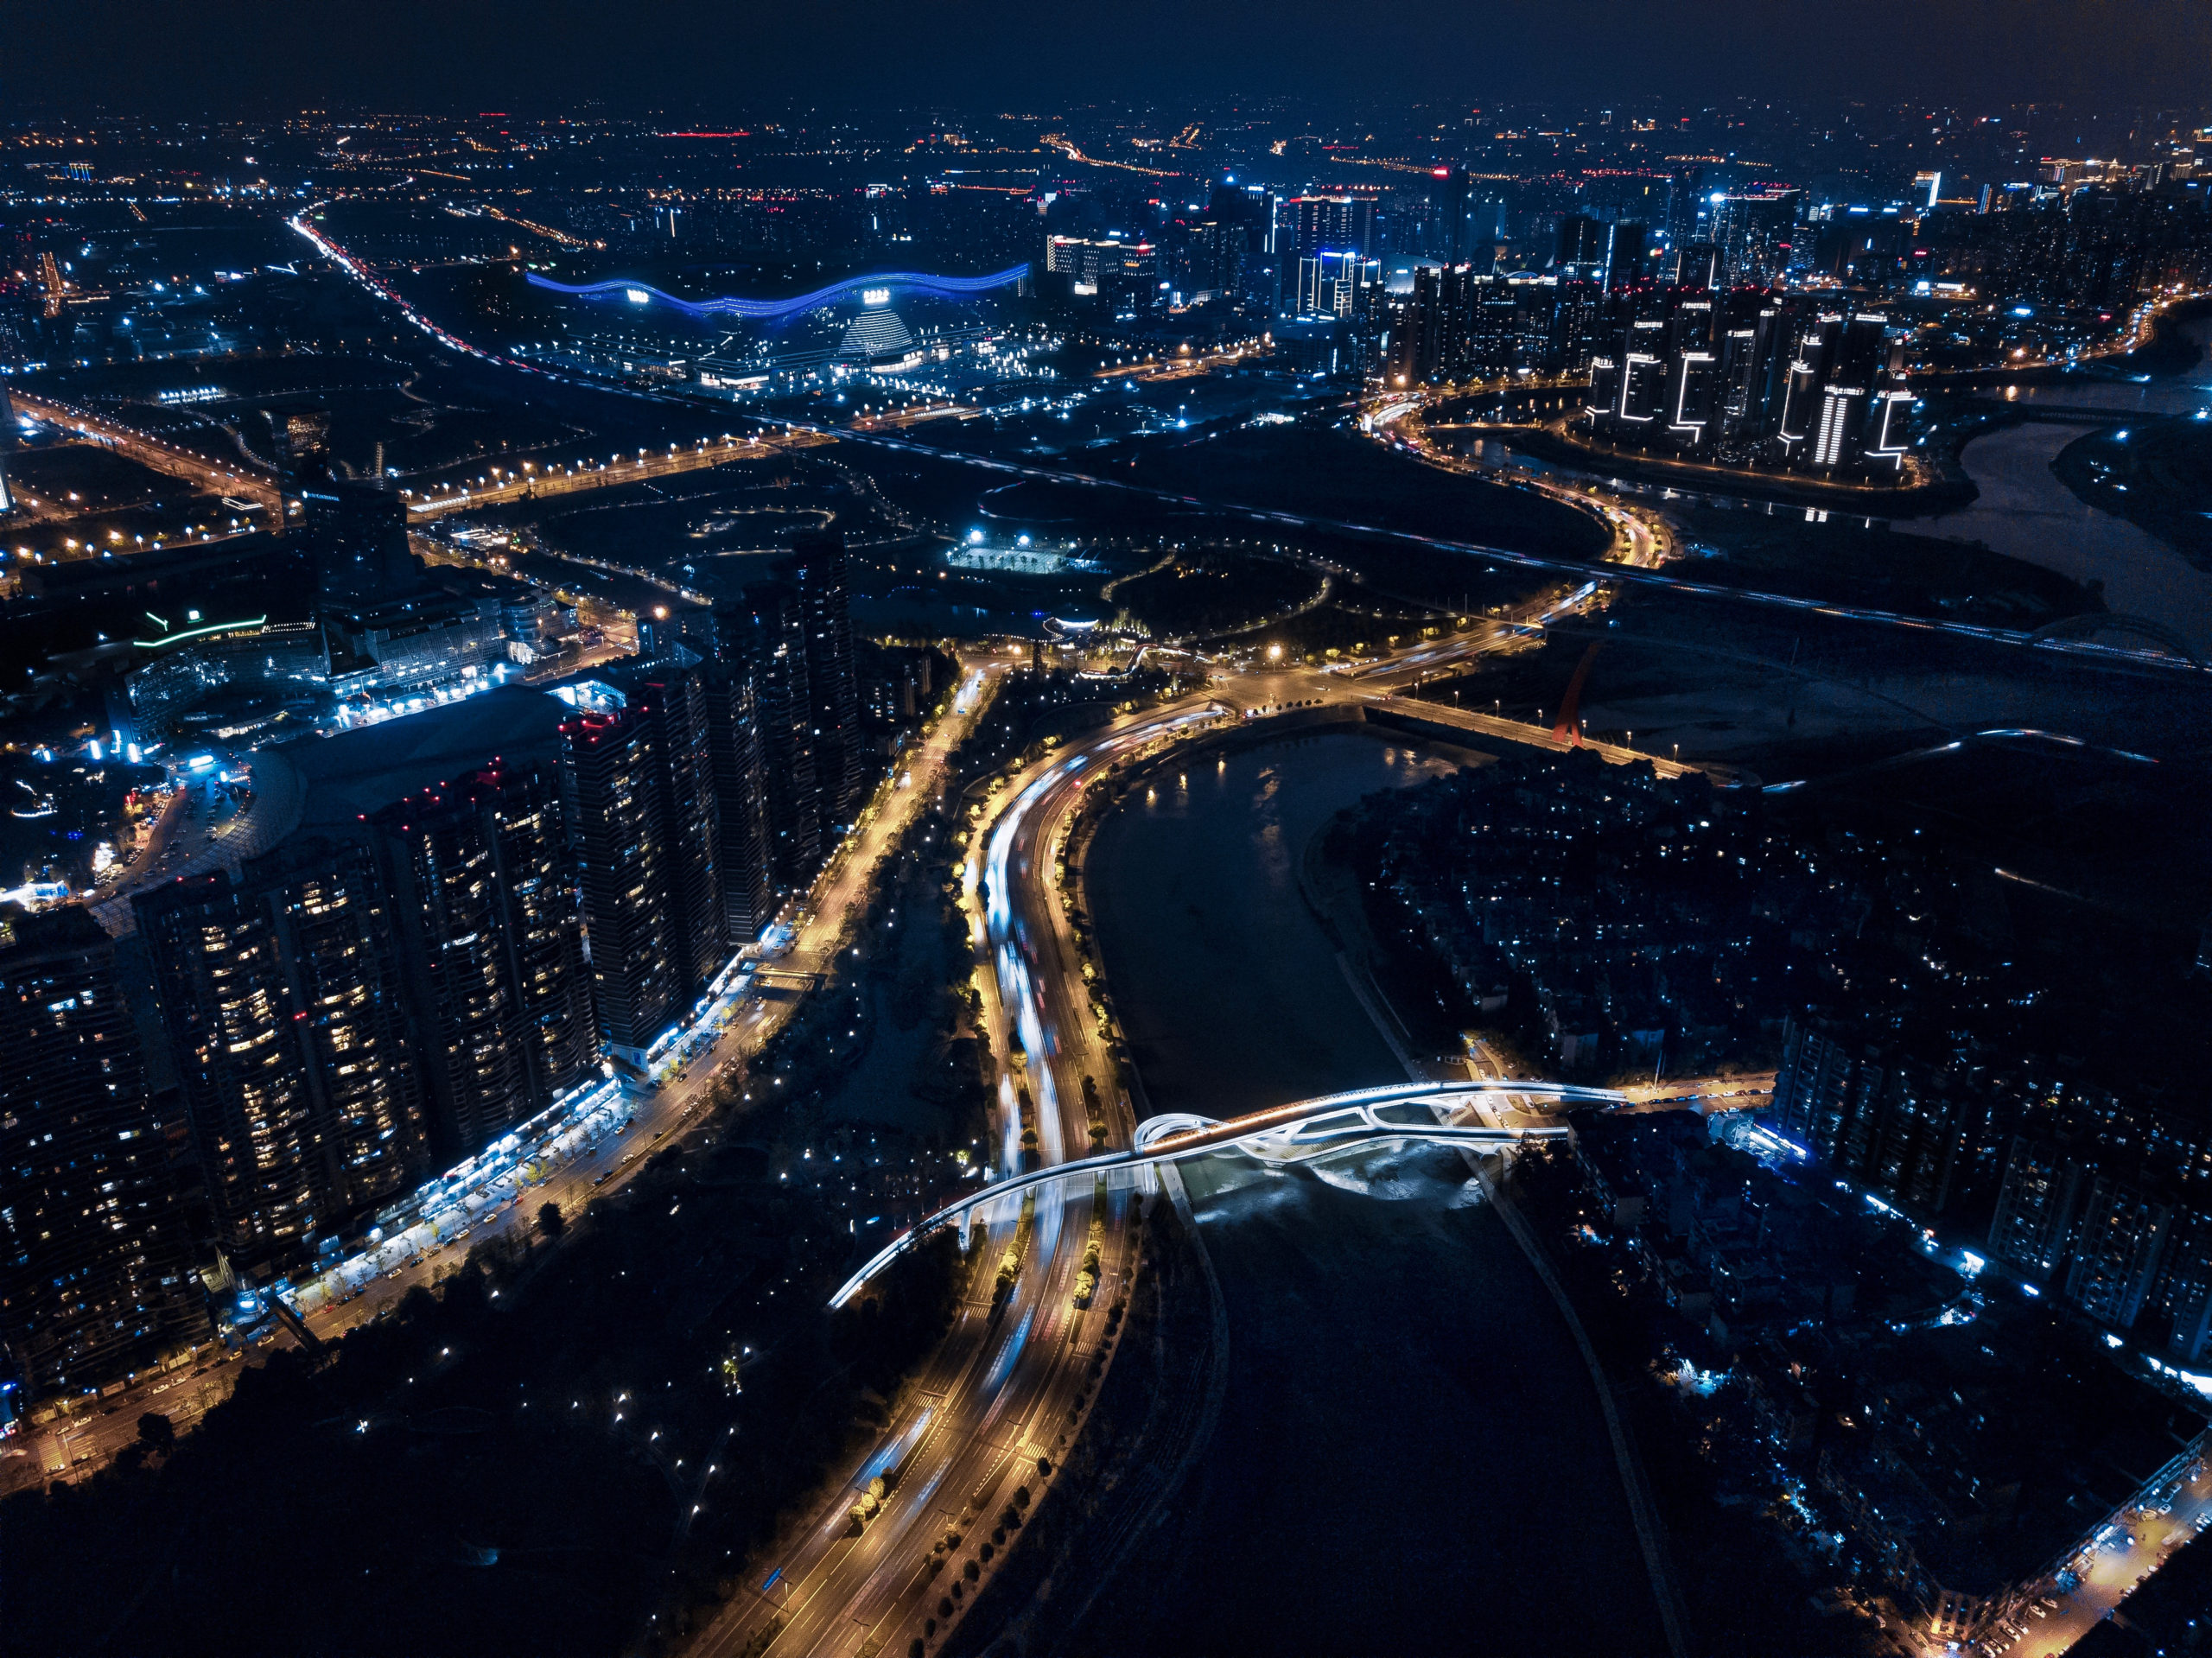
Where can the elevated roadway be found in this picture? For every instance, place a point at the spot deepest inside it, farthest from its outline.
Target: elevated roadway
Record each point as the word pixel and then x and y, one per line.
pixel 685 1077
pixel 1283 1134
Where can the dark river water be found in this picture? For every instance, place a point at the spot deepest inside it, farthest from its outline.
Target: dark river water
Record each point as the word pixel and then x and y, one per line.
pixel 1410 1457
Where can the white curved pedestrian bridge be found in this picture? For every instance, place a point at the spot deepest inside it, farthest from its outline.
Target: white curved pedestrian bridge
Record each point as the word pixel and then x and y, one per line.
pixel 1281 1134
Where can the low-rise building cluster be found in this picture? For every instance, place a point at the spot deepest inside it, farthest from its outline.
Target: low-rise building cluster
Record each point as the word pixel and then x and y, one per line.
pixel 1918 1431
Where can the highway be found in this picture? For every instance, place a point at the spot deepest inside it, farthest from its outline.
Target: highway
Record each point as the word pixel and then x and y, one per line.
pixel 1640 536
pixel 1000 1392
pixel 212 477
pixel 531 481
pixel 1641 575
pixel 821 927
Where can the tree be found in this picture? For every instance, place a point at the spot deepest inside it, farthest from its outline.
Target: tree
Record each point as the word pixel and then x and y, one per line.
pixel 550 1222
pixel 156 1431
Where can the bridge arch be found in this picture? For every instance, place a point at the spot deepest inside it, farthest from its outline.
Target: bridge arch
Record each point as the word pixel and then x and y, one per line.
pixel 1303 1128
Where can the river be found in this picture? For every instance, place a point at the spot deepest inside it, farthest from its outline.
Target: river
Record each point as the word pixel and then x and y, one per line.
pixel 2025 513
pixel 1410 1456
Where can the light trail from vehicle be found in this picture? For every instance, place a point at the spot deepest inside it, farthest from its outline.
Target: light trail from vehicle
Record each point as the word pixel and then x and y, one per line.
pixel 1629 576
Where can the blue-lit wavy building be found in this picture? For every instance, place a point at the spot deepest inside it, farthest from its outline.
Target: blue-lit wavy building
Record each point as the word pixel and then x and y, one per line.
pixel 881 321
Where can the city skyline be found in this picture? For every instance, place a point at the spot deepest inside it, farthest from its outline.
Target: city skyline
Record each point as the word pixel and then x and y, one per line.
pixel 1125 875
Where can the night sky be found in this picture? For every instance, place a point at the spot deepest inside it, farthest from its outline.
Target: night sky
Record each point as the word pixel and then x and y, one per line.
pixel 221 56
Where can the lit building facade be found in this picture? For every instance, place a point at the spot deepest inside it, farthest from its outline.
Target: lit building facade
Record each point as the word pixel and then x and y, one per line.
pixel 96 1263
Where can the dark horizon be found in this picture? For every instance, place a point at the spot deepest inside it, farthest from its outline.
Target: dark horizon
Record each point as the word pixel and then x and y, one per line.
pixel 254 57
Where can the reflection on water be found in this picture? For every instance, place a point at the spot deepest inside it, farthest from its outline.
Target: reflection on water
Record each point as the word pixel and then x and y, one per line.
pixel 2024 512
pixel 2179 394
pixel 1197 884
pixel 1401 1394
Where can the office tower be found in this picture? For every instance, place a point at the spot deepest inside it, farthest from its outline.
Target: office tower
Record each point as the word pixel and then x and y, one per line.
pixel 280 994
pixel 1625 249
pixel 96 1273
pixel 1262 272
pixel 611 802
pixel 734 686
pixel 1337 284
pixel 1753 229
pixel 1697 265
pixel 497 991
pixel 1685 204
pixel 833 703
pixel 668 694
pixel 1213 260
pixel 1454 203
pixel 1125 273
pixel 1330 224
pixel 358 536
pixel 1579 247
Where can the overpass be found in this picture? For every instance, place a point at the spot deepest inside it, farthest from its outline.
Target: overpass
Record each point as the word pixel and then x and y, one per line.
pixel 1281 1134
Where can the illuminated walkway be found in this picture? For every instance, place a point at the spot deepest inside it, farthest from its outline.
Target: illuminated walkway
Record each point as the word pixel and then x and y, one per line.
pixel 1281 1134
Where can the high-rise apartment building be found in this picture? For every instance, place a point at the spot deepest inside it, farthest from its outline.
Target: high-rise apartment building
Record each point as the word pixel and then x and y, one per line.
pixel 96 1273
pixel 1458 324
pixel 610 797
pixel 488 928
pixel 833 704
pixel 738 655
pixel 667 693
pixel 280 994
pixel 2118 1238
pixel 1748 378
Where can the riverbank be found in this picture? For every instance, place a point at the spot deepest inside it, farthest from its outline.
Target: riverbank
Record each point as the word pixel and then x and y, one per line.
pixel 1470 1479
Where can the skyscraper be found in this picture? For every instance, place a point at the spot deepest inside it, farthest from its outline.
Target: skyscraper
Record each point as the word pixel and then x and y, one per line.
pixel 1753 229
pixel 279 992
pixel 95 1257
pixel 667 693
pixel 1624 250
pixel 1579 248
pixel 833 702
pixel 7 448
pixel 610 794
pixel 497 993
pixel 762 634
pixel 1685 204
pixel 1330 224
pixel 359 535
pixel 735 691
